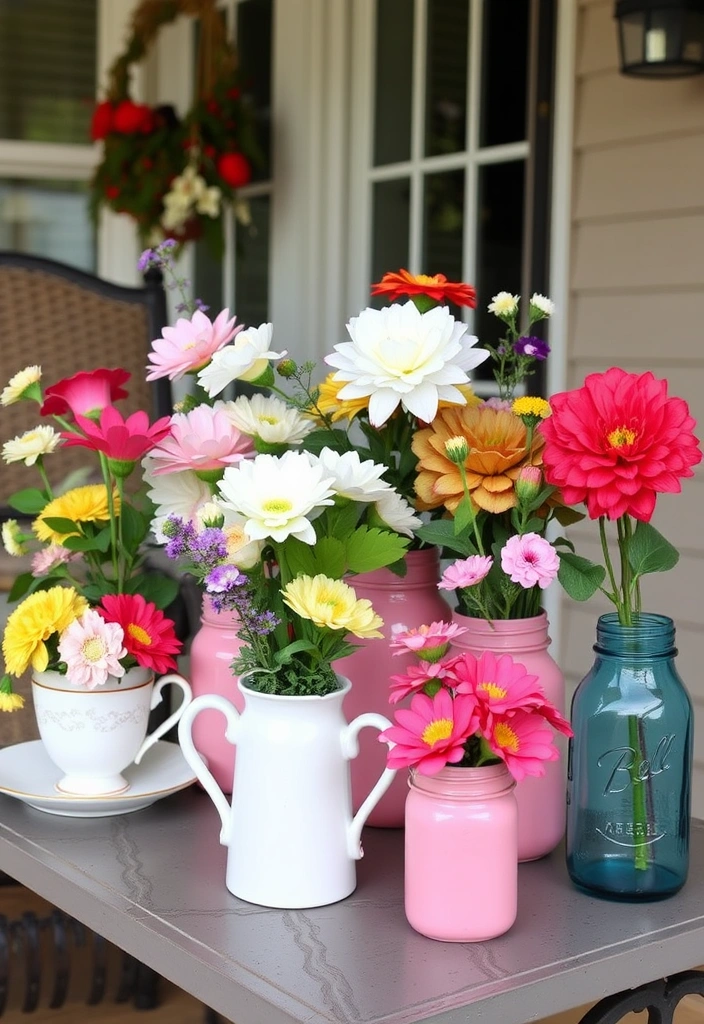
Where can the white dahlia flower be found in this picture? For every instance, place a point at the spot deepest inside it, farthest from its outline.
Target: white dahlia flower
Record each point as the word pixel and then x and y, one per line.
pixel 246 359
pixel 352 478
pixel 268 418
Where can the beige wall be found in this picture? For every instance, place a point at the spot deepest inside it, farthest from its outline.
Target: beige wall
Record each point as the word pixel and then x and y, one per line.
pixel 637 298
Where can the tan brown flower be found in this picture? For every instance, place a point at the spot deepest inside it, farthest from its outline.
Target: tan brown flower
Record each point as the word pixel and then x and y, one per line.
pixel 497 451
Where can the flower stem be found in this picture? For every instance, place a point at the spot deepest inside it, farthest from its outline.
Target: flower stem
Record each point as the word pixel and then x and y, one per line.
pixel 621 525
pixel 111 512
pixel 45 479
pixel 609 566
pixel 120 546
pixel 638 790
pixel 475 528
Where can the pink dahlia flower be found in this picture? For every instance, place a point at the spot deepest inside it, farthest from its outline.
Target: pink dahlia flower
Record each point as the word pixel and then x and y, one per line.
pixel 617 442
pixel 523 742
pixel 418 676
pixel 432 732
pixel 204 440
pixel 465 572
pixel 430 643
pixel 92 648
pixel 190 344
pixel 123 439
pixel 85 394
pixel 530 559
pixel 50 557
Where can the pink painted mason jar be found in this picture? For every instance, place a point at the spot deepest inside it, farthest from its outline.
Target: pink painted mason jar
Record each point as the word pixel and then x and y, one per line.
pixel 412 600
pixel 541 801
pixel 461 874
pixel 213 649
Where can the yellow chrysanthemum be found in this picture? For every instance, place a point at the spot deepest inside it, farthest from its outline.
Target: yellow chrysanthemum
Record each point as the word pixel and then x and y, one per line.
pixel 32 623
pixel 529 405
pixel 329 404
pixel 332 604
pixel 11 701
pixel 80 505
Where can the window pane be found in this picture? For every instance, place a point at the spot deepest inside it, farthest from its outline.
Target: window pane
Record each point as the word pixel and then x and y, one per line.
pixel 48 218
pixel 505 47
pixel 47 69
pixel 394 81
pixel 443 217
pixel 390 219
pixel 446 76
pixel 499 243
pixel 252 265
pixel 254 18
pixel 207 277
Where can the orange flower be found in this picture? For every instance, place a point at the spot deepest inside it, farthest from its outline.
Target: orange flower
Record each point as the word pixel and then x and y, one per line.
pixel 497 451
pixel 335 408
pixel 438 288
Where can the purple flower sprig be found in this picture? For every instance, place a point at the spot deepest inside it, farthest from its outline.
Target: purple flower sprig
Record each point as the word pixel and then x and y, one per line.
pixel 161 257
pixel 533 348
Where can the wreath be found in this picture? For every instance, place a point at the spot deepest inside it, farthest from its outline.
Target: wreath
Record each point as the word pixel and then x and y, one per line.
pixel 174 175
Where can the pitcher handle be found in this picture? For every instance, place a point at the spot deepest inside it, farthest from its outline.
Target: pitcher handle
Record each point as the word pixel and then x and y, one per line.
pixel 215 703
pixel 350 749
pixel 179 681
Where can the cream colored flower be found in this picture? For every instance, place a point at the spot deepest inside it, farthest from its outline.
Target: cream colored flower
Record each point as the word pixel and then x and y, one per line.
pixel 332 604
pixel 210 514
pixel 209 202
pixel 398 515
pixel 28 447
pixel 542 303
pixel 504 304
pixel 241 551
pixel 13 538
pixel 246 359
pixel 267 417
pixel 17 386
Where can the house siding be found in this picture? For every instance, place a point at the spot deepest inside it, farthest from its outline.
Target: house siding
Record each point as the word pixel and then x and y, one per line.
pixel 636 300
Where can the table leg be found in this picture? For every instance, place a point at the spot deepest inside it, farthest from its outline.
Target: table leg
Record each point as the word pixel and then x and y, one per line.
pixel 659 998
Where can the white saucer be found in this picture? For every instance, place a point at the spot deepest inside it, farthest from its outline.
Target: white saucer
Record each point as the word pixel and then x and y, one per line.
pixel 27 773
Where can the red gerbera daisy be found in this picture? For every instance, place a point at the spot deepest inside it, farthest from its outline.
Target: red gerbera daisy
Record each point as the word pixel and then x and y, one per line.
pixel 85 394
pixel 149 635
pixel 438 288
pixel 617 442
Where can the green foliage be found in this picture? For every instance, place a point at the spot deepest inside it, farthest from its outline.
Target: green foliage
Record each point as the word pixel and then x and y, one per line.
pixel 30 501
pixel 369 549
pixel 579 577
pixel 649 551
pixel 161 590
pixel 441 532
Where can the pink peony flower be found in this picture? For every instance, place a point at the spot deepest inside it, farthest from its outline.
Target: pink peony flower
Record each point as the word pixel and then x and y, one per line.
pixel 418 676
pixel 465 572
pixel 432 732
pixel 499 685
pixel 530 559
pixel 523 742
pixel 204 440
pixel 430 643
pixel 92 648
pixel 85 394
pixel 189 345
pixel 50 557
pixel 125 440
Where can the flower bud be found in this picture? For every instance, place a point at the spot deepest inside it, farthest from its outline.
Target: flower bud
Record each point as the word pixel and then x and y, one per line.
pixel 528 484
pixel 287 368
pixel 210 515
pixel 457 449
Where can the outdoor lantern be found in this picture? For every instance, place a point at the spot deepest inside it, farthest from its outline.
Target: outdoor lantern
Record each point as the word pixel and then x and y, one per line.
pixel 661 38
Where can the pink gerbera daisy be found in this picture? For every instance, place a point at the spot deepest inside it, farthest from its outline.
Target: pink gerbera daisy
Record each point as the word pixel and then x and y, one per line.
pixel 86 393
pixel 465 572
pixel 125 440
pixel 418 676
pixel 430 643
pixel 189 345
pixel 523 742
pixel 204 440
pixel 499 685
pixel 92 648
pixel 432 732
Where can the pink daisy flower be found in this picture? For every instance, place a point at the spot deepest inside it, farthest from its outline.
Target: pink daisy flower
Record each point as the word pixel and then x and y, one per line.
pixel 530 559
pixel 418 676
pixel 499 685
pixel 50 557
pixel 523 742
pixel 92 648
pixel 432 732
pixel 204 440
pixel 465 572
pixel 430 643
pixel 190 344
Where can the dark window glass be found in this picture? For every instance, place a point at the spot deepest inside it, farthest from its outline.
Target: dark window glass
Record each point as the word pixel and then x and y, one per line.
pixel 252 265
pixel 48 218
pixel 390 219
pixel 394 81
pixel 505 47
pixel 254 22
pixel 207 278
pixel 47 69
pixel 443 217
pixel 446 76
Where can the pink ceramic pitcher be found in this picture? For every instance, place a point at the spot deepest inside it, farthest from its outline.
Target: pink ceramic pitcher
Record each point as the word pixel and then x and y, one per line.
pixel 410 600
pixel 541 801
pixel 213 650
pixel 461 874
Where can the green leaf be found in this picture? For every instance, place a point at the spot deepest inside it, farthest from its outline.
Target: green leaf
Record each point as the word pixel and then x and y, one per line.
pixel 61 525
pixel 567 516
pixel 300 558
pixel 30 501
pixel 134 528
pixel 579 577
pixel 20 587
pixel 464 517
pixel 370 549
pixel 80 544
pixel 541 498
pixel 160 590
pixel 339 520
pixel 399 568
pixel 649 551
pixel 330 557
pixel 563 542
pixel 285 656
pixel 319 439
pixel 442 533
pixel 102 539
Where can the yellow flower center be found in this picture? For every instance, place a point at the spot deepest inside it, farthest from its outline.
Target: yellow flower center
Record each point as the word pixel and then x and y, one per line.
pixel 492 690
pixel 506 737
pixel 139 634
pixel 271 420
pixel 621 436
pixel 425 279
pixel 277 505
pixel 93 649
pixel 440 729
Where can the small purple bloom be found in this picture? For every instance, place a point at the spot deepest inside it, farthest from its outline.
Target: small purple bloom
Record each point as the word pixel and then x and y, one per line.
pixel 168 243
pixel 199 304
pixel 224 578
pixel 536 348
pixel 145 260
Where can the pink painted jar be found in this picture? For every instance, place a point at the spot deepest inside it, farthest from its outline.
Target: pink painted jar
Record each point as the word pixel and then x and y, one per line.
pixel 461 873
pixel 413 599
pixel 541 801
pixel 213 649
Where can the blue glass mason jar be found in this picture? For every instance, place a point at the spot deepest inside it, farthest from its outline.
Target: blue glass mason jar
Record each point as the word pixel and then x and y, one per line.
pixel 630 765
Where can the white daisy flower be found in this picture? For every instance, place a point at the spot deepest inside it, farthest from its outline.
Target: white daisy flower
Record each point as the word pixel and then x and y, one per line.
pixel 504 304
pixel 277 495
pixel 174 494
pixel 401 356
pixel 31 445
pixel 397 513
pixel 267 417
pixel 16 387
pixel 352 478
pixel 542 303
pixel 246 359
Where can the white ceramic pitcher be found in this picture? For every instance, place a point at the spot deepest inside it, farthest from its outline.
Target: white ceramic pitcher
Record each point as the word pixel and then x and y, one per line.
pixel 291 838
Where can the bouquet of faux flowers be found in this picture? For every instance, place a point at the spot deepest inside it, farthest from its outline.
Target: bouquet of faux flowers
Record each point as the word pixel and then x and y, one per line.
pixel 267 528
pixel 89 609
pixel 468 711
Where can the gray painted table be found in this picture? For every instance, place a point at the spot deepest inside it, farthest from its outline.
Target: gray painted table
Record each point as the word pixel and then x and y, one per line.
pixel 153 883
